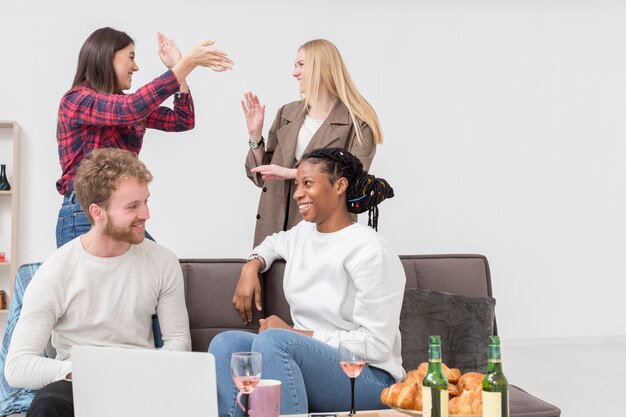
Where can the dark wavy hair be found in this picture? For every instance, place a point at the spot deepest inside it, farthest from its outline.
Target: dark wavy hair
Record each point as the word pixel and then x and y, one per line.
pixel 95 60
pixel 365 192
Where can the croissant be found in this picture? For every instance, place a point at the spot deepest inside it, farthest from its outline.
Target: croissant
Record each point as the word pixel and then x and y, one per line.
pixel 471 381
pixel 406 394
pixel 453 390
pixel 390 394
pixel 416 375
pixel 411 396
pixel 452 374
pixel 469 402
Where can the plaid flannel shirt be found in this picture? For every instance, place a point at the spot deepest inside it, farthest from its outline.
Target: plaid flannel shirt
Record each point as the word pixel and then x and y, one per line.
pixel 91 120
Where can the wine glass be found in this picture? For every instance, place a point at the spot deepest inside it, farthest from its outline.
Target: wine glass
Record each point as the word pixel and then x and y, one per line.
pixel 352 356
pixel 245 367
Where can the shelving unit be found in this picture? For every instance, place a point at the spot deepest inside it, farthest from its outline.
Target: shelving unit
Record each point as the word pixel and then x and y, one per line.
pixel 9 242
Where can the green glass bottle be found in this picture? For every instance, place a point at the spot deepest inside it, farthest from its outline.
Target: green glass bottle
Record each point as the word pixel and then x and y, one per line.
pixel 495 385
pixel 435 384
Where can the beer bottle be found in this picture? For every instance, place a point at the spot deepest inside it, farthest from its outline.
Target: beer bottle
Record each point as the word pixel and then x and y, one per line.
pixel 495 385
pixel 435 384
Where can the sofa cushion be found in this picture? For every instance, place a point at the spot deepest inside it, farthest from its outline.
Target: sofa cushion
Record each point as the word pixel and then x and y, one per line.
pixel 463 322
pixel 209 288
pixel 15 400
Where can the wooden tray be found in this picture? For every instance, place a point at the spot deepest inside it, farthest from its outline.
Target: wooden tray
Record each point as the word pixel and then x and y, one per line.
pixel 417 413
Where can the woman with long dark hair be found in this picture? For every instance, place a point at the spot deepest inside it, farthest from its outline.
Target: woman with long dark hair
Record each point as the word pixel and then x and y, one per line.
pixel 95 113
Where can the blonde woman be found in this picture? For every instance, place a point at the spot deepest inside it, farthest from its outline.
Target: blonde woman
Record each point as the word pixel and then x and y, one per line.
pixel 332 113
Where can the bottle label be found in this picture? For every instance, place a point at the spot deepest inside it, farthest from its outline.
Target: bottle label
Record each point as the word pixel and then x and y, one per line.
pixel 492 404
pixel 444 402
pixel 427 402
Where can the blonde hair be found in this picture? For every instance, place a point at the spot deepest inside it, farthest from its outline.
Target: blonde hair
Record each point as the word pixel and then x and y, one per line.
pixel 323 64
pixel 99 174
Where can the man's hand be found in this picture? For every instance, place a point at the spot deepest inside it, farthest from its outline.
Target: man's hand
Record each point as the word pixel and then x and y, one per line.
pixel 248 287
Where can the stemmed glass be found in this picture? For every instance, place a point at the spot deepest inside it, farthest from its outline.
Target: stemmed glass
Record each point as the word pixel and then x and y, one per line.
pixel 352 355
pixel 245 367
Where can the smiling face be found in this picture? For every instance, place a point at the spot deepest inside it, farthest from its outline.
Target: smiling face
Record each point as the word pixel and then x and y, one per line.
pixel 127 212
pixel 320 201
pixel 124 66
pixel 298 72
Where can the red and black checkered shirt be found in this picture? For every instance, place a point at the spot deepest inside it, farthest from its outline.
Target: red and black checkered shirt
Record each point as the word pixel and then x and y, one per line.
pixel 90 120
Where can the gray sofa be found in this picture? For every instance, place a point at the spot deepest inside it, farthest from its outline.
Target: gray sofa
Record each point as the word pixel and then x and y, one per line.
pixel 210 284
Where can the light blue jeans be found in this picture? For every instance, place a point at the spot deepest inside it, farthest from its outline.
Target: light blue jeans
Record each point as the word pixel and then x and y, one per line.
pixel 72 221
pixel 312 379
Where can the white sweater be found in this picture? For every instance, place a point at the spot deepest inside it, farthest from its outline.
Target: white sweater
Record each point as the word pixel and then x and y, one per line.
pixel 81 299
pixel 343 285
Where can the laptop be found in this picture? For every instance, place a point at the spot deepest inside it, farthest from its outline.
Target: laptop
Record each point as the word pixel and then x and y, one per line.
pixel 137 382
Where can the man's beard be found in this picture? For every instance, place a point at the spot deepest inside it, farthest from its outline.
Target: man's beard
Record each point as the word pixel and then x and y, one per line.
pixel 123 233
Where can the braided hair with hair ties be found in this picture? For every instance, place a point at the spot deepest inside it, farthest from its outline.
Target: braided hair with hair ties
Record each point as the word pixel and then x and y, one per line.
pixel 365 191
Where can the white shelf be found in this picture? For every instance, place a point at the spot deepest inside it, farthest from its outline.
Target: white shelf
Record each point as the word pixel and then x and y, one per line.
pixel 13 172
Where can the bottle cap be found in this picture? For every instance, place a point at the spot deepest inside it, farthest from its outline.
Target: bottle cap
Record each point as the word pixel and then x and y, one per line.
pixel 434 340
pixel 494 340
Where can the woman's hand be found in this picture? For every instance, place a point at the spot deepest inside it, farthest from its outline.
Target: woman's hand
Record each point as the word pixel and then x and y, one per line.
pixel 168 51
pixel 204 55
pixel 255 115
pixel 273 322
pixel 275 172
pixel 247 288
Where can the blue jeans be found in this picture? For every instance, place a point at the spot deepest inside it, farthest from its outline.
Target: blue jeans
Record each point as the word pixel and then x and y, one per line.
pixel 73 222
pixel 312 379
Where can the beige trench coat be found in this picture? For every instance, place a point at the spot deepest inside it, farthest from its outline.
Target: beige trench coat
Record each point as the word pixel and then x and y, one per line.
pixel 277 210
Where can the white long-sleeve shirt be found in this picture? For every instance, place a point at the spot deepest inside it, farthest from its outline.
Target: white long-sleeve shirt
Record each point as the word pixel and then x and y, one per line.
pixel 347 284
pixel 81 299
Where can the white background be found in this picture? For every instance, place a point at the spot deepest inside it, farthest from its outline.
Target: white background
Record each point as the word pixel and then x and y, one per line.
pixel 503 121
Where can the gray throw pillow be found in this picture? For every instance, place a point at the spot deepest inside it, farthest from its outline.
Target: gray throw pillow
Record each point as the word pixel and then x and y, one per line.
pixel 463 322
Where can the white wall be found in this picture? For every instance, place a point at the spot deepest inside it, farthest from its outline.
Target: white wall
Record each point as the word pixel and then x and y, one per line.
pixel 504 124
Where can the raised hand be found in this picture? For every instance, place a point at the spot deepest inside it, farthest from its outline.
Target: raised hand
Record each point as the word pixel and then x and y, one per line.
pixel 255 115
pixel 168 51
pixel 201 55
pixel 205 56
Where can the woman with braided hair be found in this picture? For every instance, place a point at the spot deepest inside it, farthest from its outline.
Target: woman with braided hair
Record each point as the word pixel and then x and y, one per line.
pixel 342 281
